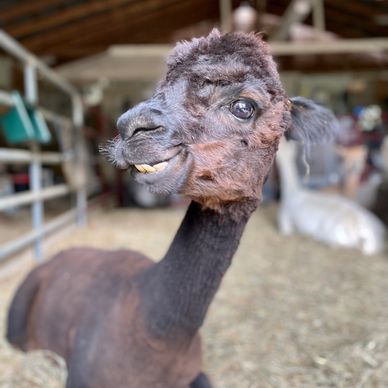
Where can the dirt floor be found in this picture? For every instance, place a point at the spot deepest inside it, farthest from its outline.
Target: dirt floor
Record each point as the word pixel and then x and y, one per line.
pixel 290 312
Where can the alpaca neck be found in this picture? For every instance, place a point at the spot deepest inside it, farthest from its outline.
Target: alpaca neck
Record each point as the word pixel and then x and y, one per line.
pixel 180 288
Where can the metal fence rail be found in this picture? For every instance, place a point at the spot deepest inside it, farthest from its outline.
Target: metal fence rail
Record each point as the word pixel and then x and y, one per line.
pixel 16 156
pixel 27 197
pixel 33 157
pixel 29 238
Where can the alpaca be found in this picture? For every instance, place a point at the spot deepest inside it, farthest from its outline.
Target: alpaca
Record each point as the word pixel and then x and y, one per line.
pixel 210 131
pixel 331 218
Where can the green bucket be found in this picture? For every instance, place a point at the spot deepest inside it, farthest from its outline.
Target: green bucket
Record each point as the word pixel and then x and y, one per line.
pixel 22 123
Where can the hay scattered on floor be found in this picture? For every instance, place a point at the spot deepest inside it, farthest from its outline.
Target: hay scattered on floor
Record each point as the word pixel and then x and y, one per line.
pixel 290 312
pixel 36 369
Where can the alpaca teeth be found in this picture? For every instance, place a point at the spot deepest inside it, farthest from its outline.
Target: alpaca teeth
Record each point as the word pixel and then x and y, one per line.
pixel 146 168
pixel 139 168
pixel 160 166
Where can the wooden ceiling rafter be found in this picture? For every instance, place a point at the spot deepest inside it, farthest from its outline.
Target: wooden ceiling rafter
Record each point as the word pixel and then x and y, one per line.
pixel 169 22
pixel 119 32
pixel 336 16
pixel 74 52
pixel 26 9
pixel 338 11
pixel 76 12
pixel 357 8
pixel 175 23
pixel 95 23
pixel 347 63
pixel 347 25
pixel 136 25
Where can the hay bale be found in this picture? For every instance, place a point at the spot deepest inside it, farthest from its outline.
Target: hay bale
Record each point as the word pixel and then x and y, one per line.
pixel 291 312
pixel 36 369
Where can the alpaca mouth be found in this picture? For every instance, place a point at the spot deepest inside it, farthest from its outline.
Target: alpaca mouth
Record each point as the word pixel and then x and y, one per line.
pixel 165 170
pixel 159 166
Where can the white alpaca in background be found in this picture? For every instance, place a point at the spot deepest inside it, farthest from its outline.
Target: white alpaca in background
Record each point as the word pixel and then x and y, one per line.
pixel 330 218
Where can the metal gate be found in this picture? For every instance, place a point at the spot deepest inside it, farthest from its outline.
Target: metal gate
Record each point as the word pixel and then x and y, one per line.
pixel 35 158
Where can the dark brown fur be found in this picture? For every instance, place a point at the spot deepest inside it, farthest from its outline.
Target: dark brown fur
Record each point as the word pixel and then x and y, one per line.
pixel 117 318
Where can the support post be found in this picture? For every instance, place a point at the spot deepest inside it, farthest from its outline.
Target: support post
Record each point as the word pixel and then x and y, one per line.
pixel 296 12
pixel 319 15
pixel 81 195
pixel 37 206
pixel 35 172
pixel 226 15
pixel 81 207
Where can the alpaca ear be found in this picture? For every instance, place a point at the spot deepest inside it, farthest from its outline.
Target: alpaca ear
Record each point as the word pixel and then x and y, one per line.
pixel 311 122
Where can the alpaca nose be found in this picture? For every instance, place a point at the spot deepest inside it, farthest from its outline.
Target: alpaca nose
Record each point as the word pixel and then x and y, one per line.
pixel 135 121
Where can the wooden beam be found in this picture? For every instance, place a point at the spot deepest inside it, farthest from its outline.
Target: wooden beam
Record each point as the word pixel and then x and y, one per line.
pixel 99 23
pixel 356 8
pixel 147 62
pixel 339 15
pixel 161 21
pixel 365 12
pixel 333 47
pixel 63 16
pixel 26 8
pixel 343 46
pixel 71 53
pixel 169 19
pixel 318 64
pixel 338 20
pixel 342 17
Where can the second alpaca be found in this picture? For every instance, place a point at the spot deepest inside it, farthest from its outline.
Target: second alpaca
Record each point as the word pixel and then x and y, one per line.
pixel 329 218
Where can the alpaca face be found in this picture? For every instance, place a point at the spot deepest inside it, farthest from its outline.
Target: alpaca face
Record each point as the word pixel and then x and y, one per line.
pixel 212 127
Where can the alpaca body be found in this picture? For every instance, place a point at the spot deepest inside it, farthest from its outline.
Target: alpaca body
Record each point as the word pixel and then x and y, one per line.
pixel 210 132
pixel 329 218
pixel 78 295
pixel 72 314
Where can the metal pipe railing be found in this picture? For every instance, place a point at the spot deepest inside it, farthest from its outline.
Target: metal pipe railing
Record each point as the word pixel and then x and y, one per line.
pixel 28 197
pixel 34 157
pixel 20 243
pixel 33 65
pixel 16 156
pixel 55 117
pixel 14 48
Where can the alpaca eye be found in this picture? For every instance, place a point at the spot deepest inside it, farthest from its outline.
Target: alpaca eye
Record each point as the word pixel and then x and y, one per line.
pixel 242 109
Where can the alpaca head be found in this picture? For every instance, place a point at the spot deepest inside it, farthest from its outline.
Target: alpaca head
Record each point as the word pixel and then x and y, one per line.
pixel 212 127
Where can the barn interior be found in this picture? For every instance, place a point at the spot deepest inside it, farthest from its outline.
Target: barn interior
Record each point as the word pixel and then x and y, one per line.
pixel 294 310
